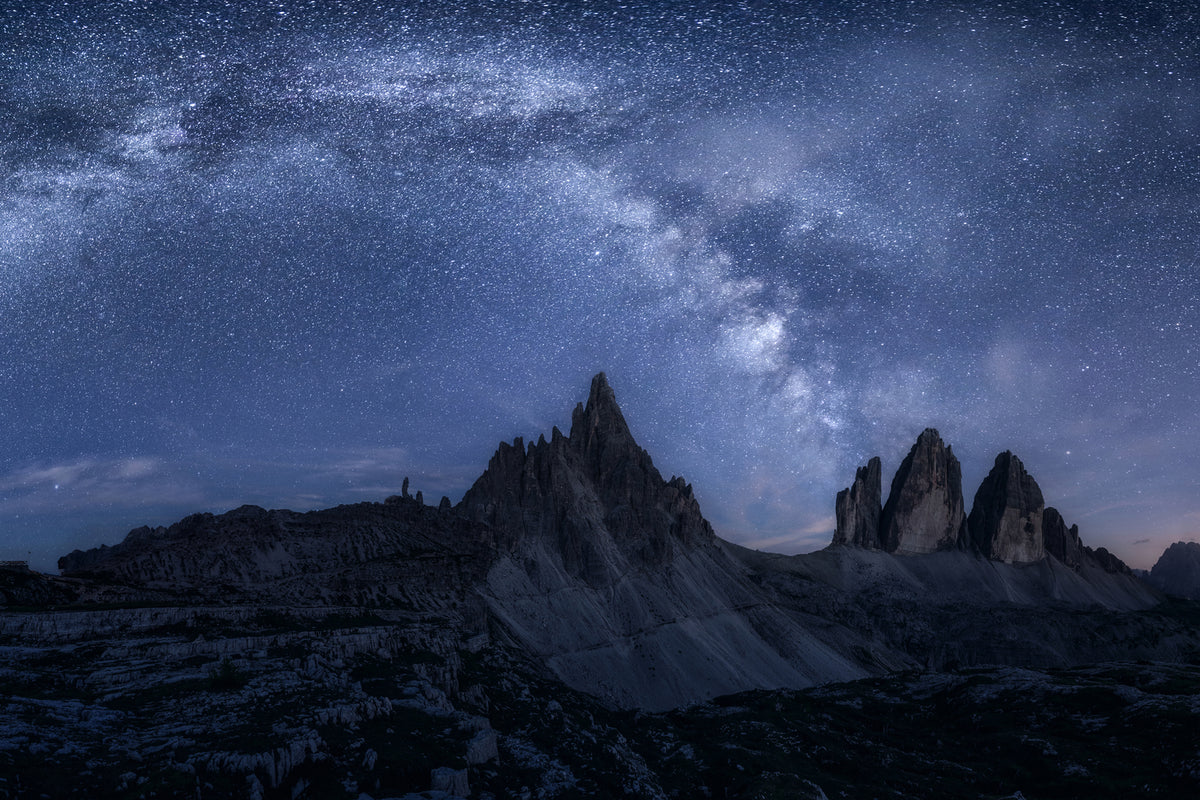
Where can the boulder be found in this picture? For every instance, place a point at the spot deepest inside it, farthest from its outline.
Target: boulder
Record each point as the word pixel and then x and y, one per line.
pixel 451 781
pixel 482 747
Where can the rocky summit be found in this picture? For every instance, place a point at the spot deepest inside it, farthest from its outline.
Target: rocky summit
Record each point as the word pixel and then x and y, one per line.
pixel 924 510
pixel 1009 520
pixel 859 509
pixel 593 497
pixel 574 628
pixel 1006 517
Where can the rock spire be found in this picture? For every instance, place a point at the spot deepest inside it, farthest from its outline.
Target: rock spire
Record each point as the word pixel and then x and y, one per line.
pixel 1006 516
pixel 859 508
pixel 924 510
pixel 595 495
pixel 1060 541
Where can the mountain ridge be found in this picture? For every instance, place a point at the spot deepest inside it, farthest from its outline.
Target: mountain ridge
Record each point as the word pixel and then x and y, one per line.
pixel 1009 520
pixel 576 551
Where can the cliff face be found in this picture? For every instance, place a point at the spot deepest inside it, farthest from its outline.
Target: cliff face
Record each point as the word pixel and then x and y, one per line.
pixel 1006 517
pixel 924 510
pixel 1060 541
pixel 859 508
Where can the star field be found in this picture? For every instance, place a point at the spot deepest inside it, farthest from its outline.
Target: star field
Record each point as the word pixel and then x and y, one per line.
pixel 288 253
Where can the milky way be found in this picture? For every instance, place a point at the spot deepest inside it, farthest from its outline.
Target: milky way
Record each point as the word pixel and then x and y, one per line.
pixel 289 255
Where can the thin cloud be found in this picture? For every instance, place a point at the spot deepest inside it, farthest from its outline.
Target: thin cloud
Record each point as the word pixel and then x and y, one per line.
pixel 88 482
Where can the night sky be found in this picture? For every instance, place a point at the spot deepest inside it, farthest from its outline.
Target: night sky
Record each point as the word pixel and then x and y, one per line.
pixel 288 254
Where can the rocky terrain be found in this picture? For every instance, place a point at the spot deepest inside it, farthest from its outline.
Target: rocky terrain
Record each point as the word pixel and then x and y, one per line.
pixel 573 628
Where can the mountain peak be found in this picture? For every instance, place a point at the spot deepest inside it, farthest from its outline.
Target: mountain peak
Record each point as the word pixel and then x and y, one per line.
pixel 600 421
pixel 599 385
pixel 1006 517
pixel 924 510
pixel 595 493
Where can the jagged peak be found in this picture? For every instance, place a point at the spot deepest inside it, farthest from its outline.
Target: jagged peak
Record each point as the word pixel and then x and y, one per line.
pixel 908 524
pixel 929 435
pixel 592 492
pixel 1006 520
pixel 873 467
pixel 1008 462
pixel 1007 457
pixel 601 418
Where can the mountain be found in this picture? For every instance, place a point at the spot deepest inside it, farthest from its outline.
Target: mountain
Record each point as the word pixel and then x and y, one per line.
pixel 610 575
pixel 1006 517
pixel 924 510
pixel 1009 520
pixel 574 627
pixel 859 508
pixel 595 496
pixel 576 551
pixel 1177 571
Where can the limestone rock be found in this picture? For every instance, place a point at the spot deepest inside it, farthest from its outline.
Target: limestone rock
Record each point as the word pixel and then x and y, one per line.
pixel 482 748
pixel 366 553
pixel 1006 517
pixel 924 510
pixel 1060 541
pixel 452 781
pixel 859 508
pixel 1177 570
pixel 595 495
pixel 24 587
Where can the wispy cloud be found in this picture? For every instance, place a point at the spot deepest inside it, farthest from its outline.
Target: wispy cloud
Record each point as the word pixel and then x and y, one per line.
pixel 88 482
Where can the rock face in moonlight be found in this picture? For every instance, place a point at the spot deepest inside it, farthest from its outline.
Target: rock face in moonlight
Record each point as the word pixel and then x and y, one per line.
pixel 1006 516
pixel 612 578
pixel 859 509
pixel 924 511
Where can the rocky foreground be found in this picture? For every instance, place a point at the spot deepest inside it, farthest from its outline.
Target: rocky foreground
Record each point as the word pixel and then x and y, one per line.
pixel 573 628
pixel 270 702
